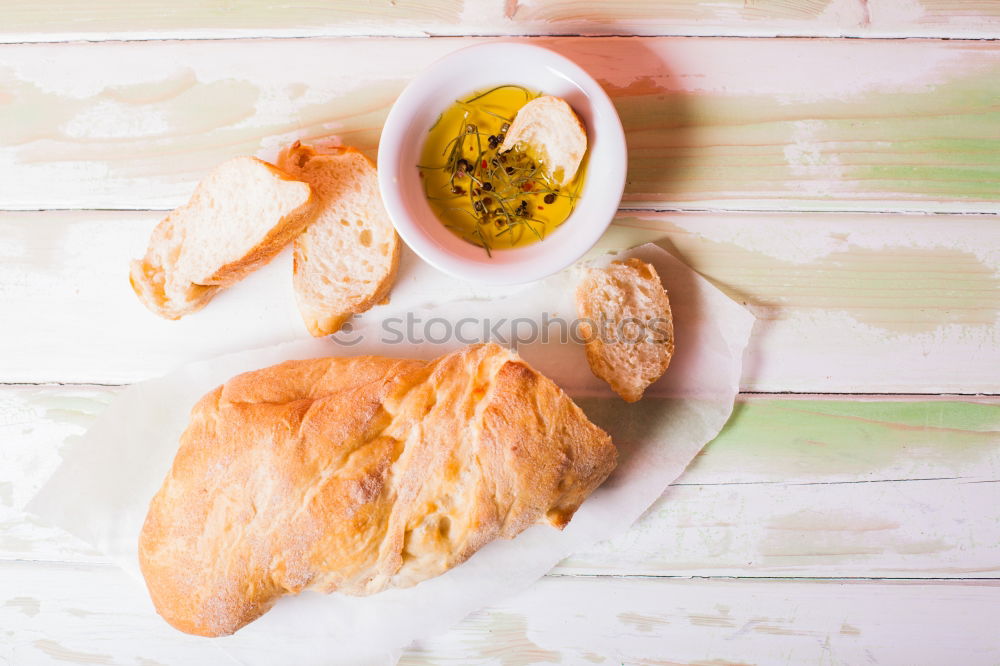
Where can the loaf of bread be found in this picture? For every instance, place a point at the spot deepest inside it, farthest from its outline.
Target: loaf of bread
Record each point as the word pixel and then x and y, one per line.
pixel 549 127
pixel 358 474
pixel 629 331
pixel 345 262
pixel 239 217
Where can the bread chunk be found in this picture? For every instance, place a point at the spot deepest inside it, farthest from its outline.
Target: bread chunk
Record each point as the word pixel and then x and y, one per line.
pixel 630 339
pixel 548 127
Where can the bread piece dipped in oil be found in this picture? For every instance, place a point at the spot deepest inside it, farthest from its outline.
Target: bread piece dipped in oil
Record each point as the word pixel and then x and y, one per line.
pixel 550 129
pixel 345 262
pixel 239 217
pixel 630 335
pixel 359 474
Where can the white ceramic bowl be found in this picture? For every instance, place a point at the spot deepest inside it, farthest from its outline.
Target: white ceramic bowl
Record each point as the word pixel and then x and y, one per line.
pixel 477 68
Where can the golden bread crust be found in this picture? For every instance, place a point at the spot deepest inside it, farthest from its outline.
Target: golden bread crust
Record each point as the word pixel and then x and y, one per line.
pixel 358 474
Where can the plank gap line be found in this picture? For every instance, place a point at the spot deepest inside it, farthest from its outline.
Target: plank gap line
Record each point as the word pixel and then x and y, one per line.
pixel 539 35
pixel 805 395
pixel 940 580
pixel 623 209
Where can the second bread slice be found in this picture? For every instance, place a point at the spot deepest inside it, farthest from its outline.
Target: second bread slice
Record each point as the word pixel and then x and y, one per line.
pixel 345 262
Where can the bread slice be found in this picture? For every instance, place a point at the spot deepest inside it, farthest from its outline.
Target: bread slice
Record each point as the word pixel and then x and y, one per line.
pixel 346 260
pixel 628 327
pixel 549 127
pixel 239 217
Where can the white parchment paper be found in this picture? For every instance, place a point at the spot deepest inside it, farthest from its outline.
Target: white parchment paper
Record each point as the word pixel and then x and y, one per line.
pixel 102 489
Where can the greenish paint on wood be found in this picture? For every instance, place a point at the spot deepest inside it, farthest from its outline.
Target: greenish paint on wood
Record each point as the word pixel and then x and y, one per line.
pixel 796 440
pixel 941 141
pixel 896 287
pixel 827 440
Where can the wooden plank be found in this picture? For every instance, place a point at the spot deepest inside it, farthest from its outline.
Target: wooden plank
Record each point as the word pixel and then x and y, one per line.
pixel 824 488
pixel 810 487
pixel 58 614
pixel 615 621
pixel 824 440
pixel 711 123
pixel 845 303
pixel 34 424
pixel 59 20
pixel 850 303
pixel 56 20
pixel 79 614
pixel 761 18
pixel 913 528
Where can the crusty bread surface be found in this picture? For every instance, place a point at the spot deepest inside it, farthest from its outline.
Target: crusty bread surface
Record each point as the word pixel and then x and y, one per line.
pixel 346 261
pixel 359 474
pixel 239 217
pixel 550 128
pixel 630 337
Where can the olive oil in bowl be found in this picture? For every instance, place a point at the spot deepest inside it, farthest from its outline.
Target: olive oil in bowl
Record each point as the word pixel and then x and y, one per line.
pixel 491 199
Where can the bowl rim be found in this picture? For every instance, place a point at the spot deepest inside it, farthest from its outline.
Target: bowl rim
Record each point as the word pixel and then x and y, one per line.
pixel 513 268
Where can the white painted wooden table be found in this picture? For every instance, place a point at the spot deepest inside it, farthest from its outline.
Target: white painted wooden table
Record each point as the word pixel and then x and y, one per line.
pixel 846 190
